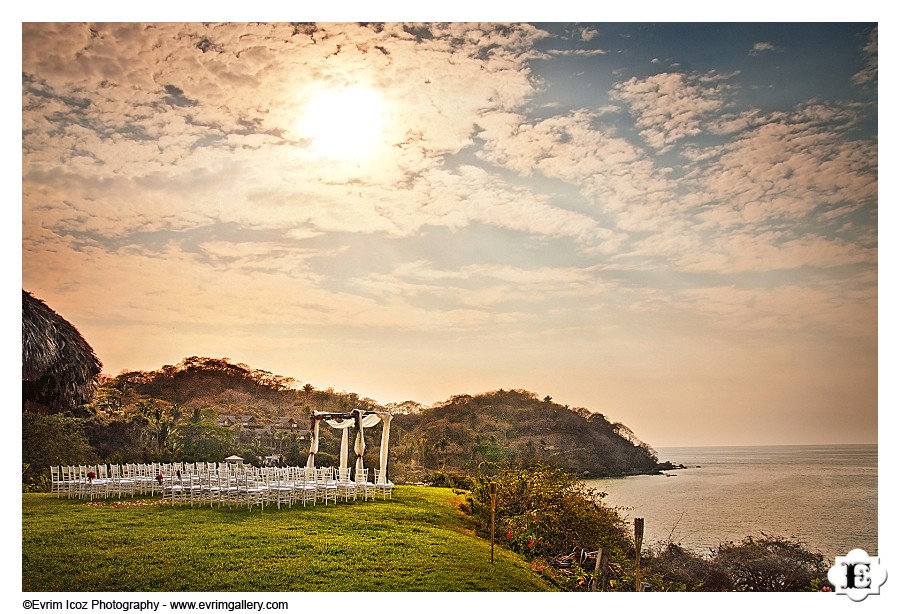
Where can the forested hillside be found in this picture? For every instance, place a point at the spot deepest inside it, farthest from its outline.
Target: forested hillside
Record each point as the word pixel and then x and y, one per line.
pixel 205 409
pixel 516 426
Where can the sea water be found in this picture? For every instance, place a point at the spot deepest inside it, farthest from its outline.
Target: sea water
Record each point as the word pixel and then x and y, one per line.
pixel 825 496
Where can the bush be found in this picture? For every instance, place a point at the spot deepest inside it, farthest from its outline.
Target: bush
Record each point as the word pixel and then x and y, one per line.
pixel 554 520
pixel 450 480
pixel 676 568
pixel 548 515
pixel 770 564
pixel 47 440
pixel 765 564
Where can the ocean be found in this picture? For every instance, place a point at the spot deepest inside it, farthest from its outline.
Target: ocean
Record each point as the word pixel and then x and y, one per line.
pixel 826 496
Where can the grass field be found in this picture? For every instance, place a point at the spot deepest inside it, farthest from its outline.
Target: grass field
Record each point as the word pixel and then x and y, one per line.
pixel 416 541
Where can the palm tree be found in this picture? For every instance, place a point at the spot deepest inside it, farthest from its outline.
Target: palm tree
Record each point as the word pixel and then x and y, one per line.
pixel 59 368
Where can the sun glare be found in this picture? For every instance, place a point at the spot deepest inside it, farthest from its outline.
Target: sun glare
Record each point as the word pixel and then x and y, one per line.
pixel 345 123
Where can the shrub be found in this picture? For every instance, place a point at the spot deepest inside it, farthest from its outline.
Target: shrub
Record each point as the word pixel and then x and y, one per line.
pixel 769 564
pixel 676 568
pixel 450 480
pixel 47 440
pixel 547 514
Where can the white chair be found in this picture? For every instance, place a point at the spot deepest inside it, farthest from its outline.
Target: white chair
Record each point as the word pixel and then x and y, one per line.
pixel 252 490
pixel 306 487
pixel 81 483
pixel 382 484
pixel 67 480
pixel 56 480
pixel 173 488
pixel 120 484
pixel 210 487
pixel 99 485
pixel 326 486
pixel 363 484
pixel 229 493
pixel 346 486
pixel 282 488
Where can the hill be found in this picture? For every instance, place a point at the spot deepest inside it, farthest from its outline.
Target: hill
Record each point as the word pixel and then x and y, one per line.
pixel 517 426
pixel 148 415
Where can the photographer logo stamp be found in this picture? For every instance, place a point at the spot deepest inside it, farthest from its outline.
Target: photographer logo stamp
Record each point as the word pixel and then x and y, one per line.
pixel 857 575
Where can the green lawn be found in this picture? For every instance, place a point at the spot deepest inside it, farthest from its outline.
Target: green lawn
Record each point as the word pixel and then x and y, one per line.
pixel 417 541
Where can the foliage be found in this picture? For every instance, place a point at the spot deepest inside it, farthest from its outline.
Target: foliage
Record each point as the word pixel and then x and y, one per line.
pixel 448 479
pixel 677 568
pixel 51 439
pixel 771 564
pixel 416 541
pixel 515 426
pixel 763 564
pixel 205 442
pixel 138 416
pixel 546 513
pixel 119 441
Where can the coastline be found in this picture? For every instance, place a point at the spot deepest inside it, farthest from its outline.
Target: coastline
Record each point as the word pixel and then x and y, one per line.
pixel 726 493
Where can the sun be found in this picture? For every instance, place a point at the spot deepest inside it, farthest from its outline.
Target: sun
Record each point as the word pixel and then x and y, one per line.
pixel 345 123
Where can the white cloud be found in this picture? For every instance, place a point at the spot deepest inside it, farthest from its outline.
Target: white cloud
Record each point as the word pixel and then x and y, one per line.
pixel 170 203
pixel 763 47
pixel 669 107
pixel 869 73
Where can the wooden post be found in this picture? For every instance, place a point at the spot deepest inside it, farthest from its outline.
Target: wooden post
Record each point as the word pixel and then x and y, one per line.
pixel 638 540
pixel 604 575
pixel 598 571
pixel 493 490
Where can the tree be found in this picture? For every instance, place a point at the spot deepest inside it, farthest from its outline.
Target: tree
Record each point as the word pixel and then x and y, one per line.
pixel 49 440
pixel 163 423
pixel 203 442
pixel 119 440
pixel 293 454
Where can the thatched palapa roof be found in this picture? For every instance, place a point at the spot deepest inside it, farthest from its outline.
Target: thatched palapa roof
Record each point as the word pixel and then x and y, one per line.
pixel 59 368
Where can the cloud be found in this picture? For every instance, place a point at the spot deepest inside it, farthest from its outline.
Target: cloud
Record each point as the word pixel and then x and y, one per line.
pixel 180 121
pixel 789 167
pixel 775 170
pixel 764 47
pixel 587 33
pixel 171 202
pixel 577 52
pixel 669 107
pixel 816 307
pixel 869 72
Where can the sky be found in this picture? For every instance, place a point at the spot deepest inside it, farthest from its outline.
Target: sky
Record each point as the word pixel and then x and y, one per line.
pixel 674 224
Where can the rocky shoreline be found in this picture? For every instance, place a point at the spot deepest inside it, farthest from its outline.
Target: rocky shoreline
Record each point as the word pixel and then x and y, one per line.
pixel 659 469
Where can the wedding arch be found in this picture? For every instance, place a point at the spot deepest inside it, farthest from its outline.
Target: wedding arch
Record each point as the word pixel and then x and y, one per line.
pixel 344 421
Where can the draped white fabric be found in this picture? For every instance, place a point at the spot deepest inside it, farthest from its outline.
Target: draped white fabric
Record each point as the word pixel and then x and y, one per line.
pixel 383 453
pixel 313 446
pixel 344 425
pixel 361 420
pixel 359 446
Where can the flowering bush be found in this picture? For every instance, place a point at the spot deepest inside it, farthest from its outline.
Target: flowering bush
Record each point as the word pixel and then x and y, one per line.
pixel 547 512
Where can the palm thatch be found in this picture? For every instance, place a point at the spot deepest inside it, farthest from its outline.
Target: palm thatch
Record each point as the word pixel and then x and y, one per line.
pixel 59 368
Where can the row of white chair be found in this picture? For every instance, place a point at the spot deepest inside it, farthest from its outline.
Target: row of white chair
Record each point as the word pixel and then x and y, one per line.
pixel 259 487
pixel 213 483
